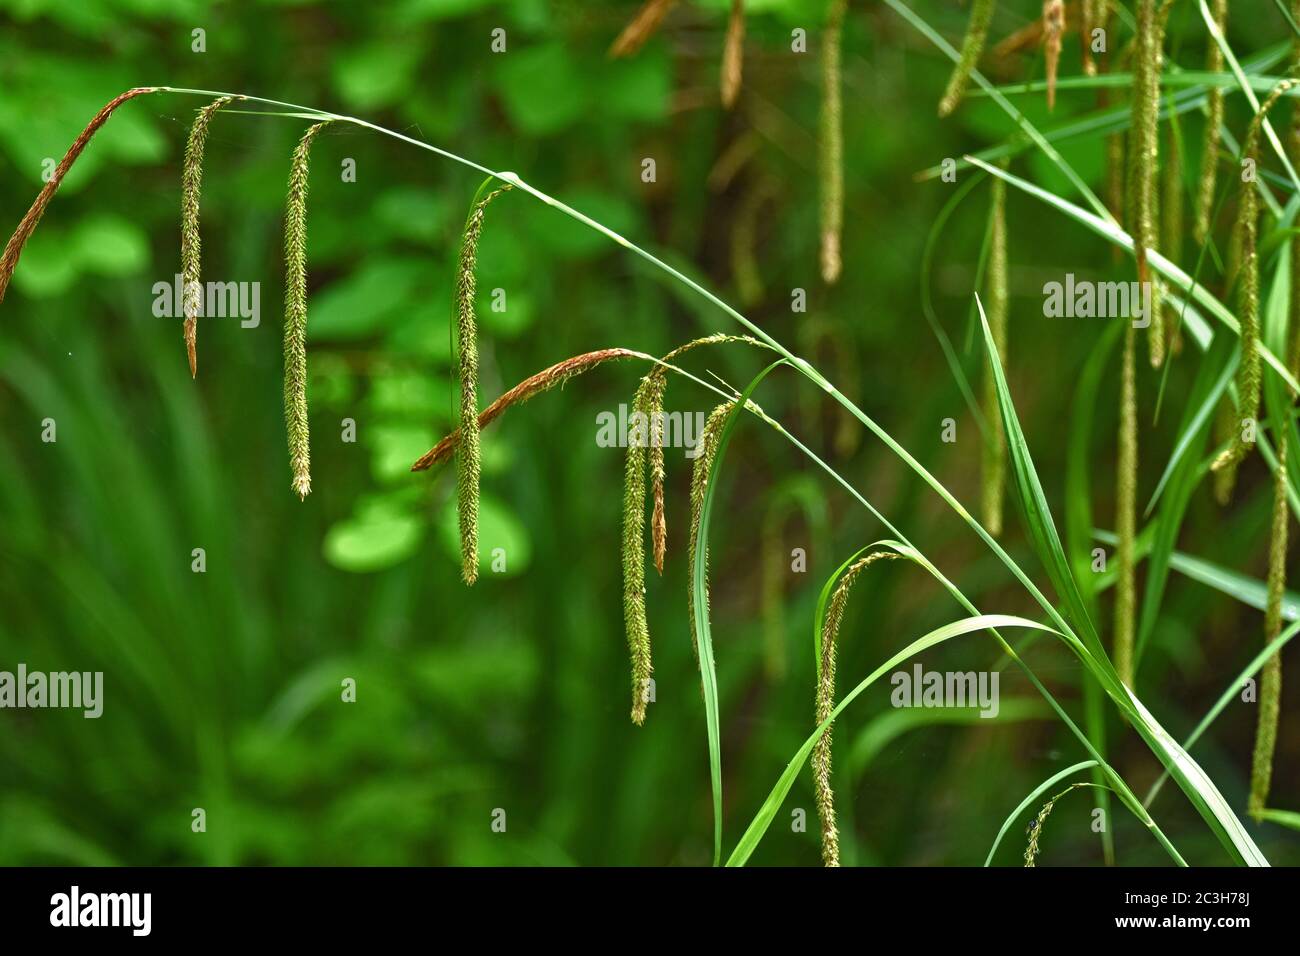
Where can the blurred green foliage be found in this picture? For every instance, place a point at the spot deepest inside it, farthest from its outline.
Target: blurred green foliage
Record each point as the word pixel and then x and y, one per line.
pixel 223 688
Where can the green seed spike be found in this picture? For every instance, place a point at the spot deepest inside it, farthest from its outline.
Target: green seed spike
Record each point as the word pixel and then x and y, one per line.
pixel 972 46
pixel 1171 222
pixel 634 614
pixel 295 314
pixel 821 755
pixel 191 240
pixel 1249 371
pixel 1126 511
pixel 648 406
pixel 1035 829
pixel 1143 157
pixel 468 463
pixel 1270 682
pixel 831 146
pixel 1210 145
pixel 995 447
pixel 708 449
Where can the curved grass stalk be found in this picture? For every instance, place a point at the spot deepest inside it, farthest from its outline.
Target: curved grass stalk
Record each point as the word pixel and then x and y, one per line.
pixel 1026 127
pixel 1034 795
pixel 1244 84
pixel 767 812
pixel 1036 824
pixel 1191 778
pixel 1230 693
pixel 27 225
pixel 927 299
pixel 1170 271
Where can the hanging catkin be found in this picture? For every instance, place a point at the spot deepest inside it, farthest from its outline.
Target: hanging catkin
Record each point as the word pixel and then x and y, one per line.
pixel 1143 157
pixel 831 145
pixel 821 756
pixel 295 314
pixel 709 441
pixel 1270 682
pixel 1126 511
pixel 993 471
pixel 191 238
pixel 1249 369
pixel 468 462
pixel 1210 144
pixel 1053 31
pixel 972 45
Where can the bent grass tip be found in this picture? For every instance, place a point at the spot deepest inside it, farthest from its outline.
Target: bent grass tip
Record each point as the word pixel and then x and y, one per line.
pixel 27 225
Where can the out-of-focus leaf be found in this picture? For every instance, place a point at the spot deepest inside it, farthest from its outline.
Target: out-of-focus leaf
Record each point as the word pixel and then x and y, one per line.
pixel 541 89
pixel 374 541
pixel 380 295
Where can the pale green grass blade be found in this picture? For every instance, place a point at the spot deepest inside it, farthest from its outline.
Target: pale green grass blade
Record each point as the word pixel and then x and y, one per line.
pixel 1035 794
pixel 708 673
pixel 1034 507
pixel 767 812
pixel 927 302
pixel 1079 463
pixel 1078 531
pixel 1201 405
pixel 1286 818
pixel 1200 790
pixel 885 728
pixel 1230 693
pixel 1017 117
pixel 1244 82
pixel 1187 475
pixel 1162 265
pixel 1251 592
pixel 1110 120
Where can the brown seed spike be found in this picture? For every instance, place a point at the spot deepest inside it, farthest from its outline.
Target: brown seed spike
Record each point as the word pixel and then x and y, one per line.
pixel 642 28
pixel 534 385
pixel 733 54
pixel 1053 29
pixel 14 248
